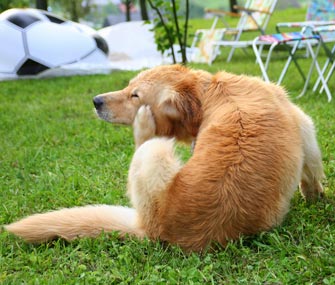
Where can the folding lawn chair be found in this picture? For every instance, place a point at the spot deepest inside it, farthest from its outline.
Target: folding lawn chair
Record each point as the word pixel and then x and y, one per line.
pixel 292 42
pixel 319 13
pixel 306 38
pixel 254 16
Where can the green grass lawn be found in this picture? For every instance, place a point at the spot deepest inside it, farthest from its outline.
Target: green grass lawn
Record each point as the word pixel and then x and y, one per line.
pixel 55 153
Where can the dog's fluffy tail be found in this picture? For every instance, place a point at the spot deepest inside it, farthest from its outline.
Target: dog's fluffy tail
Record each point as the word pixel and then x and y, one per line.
pixel 88 221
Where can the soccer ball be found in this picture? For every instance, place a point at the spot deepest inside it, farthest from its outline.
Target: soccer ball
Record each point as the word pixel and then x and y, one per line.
pixel 33 41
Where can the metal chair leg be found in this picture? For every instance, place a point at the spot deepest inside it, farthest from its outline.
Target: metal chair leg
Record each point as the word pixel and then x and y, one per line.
pixel 288 62
pixel 331 58
pixel 317 66
pixel 269 55
pixel 259 61
pixel 309 48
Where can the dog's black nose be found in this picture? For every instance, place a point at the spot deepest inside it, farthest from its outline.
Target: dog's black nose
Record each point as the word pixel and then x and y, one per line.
pixel 98 102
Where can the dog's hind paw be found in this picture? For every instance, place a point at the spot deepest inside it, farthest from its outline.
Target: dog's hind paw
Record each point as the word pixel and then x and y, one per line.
pixel 144 125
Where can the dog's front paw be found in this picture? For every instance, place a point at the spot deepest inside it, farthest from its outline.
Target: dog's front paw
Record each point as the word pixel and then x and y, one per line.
pixel 144 125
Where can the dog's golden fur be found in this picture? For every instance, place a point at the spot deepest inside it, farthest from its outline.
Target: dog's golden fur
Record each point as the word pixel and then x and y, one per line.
pixel 253 148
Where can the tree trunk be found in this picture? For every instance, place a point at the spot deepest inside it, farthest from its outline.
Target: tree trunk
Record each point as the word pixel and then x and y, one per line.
pixel 74 12
pixel 144 10
pixel 232 4
pixel 128 7
pixel 42 4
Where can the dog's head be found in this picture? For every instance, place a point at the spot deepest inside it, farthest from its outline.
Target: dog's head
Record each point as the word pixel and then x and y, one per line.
pixel 173 93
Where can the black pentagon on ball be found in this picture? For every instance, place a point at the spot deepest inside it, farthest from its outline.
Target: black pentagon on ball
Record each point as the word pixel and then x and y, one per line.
pixel 101 43
pixel 22 19
pixel 52 18
pixel 31 67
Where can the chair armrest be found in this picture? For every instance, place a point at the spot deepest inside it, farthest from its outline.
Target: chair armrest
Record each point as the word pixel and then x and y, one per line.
pixel 326 28
pixel 241 8
pixel 294 24
pixel 222 13
pixel 303 24
pixel 282 25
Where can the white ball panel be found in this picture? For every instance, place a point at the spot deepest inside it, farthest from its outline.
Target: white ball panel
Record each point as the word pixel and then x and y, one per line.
pixel 11 47
pixel 57 44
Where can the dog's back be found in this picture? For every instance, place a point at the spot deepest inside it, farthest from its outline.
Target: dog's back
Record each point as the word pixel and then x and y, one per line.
pixel 245 167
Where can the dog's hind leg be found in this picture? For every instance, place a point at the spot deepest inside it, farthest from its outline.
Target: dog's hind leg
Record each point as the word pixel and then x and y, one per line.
pixel 312 173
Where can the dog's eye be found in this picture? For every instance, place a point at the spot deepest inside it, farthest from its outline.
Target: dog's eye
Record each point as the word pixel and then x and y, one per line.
pixel 134 95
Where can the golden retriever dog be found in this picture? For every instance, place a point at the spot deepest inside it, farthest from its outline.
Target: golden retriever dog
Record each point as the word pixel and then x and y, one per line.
pixel 253 148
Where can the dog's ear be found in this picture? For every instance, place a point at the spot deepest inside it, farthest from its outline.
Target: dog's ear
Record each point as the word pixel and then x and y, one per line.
pixel 182 104
pixel 168 106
